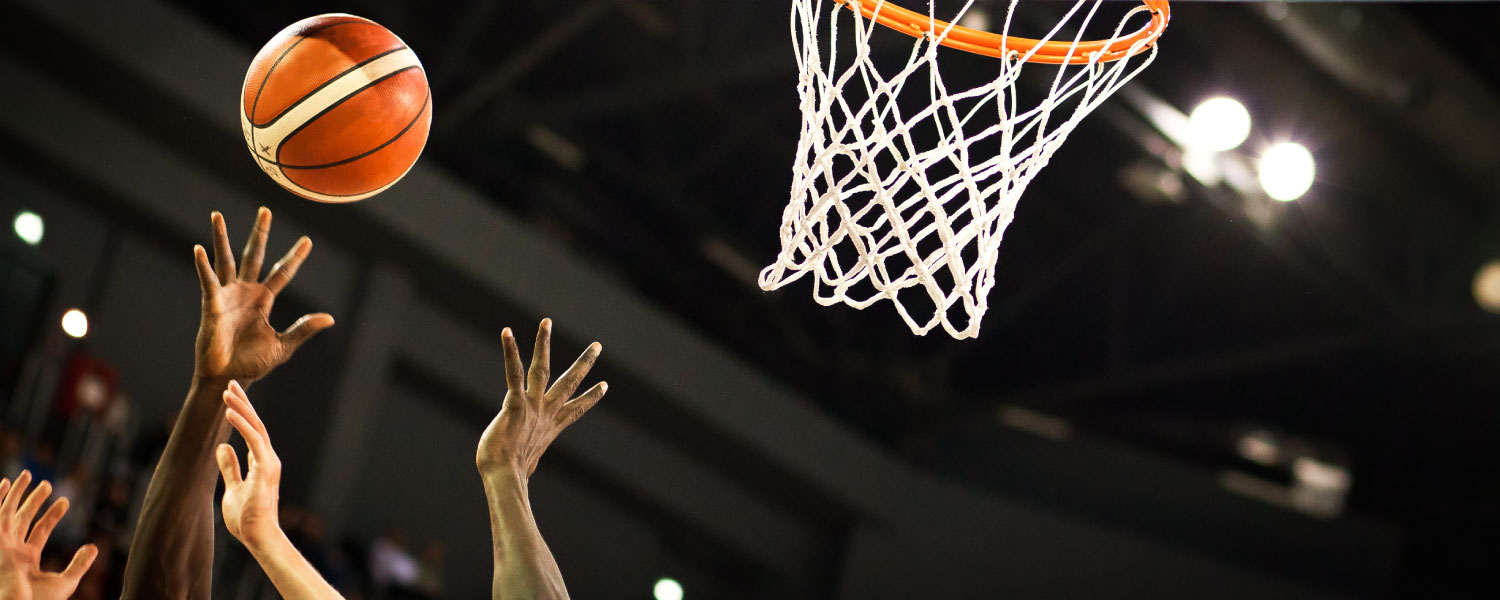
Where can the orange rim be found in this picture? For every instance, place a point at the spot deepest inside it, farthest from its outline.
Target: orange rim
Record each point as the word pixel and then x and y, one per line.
pixel 967 39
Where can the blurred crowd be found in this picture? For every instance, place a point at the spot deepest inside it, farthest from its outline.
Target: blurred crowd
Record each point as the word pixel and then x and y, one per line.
pixel 104 507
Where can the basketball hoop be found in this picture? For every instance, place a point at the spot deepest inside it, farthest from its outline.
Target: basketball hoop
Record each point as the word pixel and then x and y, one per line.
pixel 892 191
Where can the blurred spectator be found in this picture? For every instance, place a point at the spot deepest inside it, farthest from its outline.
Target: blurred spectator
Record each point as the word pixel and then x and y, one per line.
pixel 10 452
pixel 77 487
pixel 112 514
pixel 104 514
pixel 430 571
pixel 42 462
pixel 103 579
pixel 392 567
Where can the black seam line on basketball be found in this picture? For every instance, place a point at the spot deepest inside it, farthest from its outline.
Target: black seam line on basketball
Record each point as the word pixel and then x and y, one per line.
pixel 329 82
pixel 388 142
pixel 293 133
pixel 267 77
pixel 414 120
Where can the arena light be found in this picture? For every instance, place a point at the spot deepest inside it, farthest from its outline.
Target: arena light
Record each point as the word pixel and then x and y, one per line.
pixel 75 323
pixel 29 227
pixel 1286 171
pixel 1259 446
pixel 975 18
pixel 1487 286
pixel 1218 124
pixel 667 589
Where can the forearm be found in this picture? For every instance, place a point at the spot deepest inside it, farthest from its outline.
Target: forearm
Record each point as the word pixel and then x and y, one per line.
pixel 171 555
pixel 288 570
pixel 524 567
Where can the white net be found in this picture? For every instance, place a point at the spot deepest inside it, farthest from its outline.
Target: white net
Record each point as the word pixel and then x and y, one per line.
pixel 905 180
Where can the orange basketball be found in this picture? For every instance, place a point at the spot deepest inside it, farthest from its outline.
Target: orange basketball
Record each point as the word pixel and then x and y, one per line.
pixel 336 108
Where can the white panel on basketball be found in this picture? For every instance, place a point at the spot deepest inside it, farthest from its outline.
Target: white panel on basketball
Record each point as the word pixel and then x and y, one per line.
pixel 266 140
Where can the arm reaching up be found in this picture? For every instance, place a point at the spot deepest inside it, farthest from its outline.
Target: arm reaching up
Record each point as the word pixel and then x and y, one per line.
pixel 250 505
pixel 21 543
pixel 171 555
pixel 529 420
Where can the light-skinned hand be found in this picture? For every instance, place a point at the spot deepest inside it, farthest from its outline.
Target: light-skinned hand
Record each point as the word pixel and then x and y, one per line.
pixel 250 500
pixel 21 543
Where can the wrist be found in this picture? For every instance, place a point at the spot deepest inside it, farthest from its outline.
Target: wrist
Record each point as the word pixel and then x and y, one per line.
pixel 499 464
pixel 220 382
pixel 502 474
pixel 263 541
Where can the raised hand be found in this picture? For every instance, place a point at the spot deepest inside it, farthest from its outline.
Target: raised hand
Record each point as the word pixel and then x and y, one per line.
pixel 171 554
pixel 533 415
pixel 235 338
pixel 529 421
pixel 250 505
pixel 250 501
pixel 21 543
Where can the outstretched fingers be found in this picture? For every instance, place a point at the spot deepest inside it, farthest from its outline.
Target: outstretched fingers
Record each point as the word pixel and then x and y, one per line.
pixel 33 503
pixel 49 520
pixel 82 560
pixel 577 406
pixel 286 268
pixel 208 281
pixel 229 465
pixel 301 331
pixel 242 416
pixel 541 359
pixel 573 377
pixel 223 255
pixel 263 460
pixel 255 248
pixel 13 497
pixel 515 377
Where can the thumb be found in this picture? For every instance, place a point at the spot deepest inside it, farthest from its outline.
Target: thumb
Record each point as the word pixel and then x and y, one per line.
pixel 302 330
pixel 82 560
pixel 229 465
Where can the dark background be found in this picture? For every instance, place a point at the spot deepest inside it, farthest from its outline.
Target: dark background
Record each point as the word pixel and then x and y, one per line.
pixel 756 445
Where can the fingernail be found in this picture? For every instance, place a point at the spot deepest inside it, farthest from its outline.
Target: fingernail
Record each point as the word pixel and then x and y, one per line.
pixel 604 387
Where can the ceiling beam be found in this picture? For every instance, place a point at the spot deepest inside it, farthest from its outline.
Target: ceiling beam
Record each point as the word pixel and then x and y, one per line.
pixel 471 104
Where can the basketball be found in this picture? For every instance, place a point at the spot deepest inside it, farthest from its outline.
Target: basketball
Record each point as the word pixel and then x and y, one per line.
pixel 335 108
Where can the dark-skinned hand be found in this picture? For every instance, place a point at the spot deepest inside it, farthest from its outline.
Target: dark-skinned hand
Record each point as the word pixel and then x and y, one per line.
pixel 533 414
pixel 235 337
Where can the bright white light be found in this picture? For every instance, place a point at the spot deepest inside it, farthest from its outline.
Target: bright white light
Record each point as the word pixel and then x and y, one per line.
pixel 29 227
pixel 975 18
pixel 1487 286
pixel 75 323
pixel 1319 474
pixel 667 589
pixel 1219 124
pixel 1259 446
pixel 1286 171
